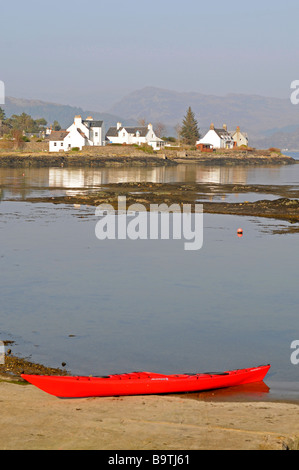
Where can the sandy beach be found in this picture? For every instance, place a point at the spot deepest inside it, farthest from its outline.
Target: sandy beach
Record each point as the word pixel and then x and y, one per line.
pixel 31 420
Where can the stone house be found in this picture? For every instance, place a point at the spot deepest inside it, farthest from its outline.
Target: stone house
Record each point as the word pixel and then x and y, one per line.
pixel 240 138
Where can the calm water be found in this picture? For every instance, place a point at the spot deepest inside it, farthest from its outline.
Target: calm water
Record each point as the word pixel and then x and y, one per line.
pixel 21 183
pixel 117 306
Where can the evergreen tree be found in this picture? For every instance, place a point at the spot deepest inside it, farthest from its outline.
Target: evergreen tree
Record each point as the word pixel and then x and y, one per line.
pixel 190 131
pixel 2 115
pixel 56 126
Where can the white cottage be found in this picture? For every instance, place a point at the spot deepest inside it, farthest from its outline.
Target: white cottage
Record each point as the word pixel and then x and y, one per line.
pixel 57 141
pixel 80 134
pixel 134 135
pixel 218 138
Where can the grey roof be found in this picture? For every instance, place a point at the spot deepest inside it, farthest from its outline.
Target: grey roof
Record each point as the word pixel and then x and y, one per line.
pixel 222 133
pixel 88 123
pixel 113 131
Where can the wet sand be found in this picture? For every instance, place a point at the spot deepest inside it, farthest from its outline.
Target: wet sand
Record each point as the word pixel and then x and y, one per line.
pixel 31 419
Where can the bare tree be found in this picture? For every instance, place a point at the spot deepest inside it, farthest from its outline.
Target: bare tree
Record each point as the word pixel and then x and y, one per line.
pixel 141 121
pixel 160 129
pixel 17 136
pixel 178 130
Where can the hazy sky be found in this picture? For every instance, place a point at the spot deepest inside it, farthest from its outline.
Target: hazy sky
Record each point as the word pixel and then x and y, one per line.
pixel 92 53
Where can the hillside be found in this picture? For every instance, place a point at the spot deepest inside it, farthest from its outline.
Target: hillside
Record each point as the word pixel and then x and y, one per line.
pixel 64 114
pixel 259 116
pixel 270 122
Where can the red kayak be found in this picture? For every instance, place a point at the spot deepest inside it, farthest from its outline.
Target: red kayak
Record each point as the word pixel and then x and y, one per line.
pixel 143 383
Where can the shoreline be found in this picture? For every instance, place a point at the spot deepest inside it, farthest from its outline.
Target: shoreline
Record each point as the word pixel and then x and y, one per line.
pixel 218 420
pixel 33 420
pixel 125 156
pixel 268 391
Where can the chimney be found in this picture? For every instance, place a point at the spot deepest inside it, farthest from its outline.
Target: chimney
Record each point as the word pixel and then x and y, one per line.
pixel 225 127
pixel 118 125
pixel 78 121
pixel 212 127
pixel 89 118
pixel 150 127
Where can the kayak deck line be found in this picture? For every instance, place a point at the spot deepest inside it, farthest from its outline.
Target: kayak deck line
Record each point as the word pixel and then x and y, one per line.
pixel 143 383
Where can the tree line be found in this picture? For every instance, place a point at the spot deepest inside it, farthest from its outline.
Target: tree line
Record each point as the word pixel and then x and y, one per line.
pixel 23 123
pixel 187 132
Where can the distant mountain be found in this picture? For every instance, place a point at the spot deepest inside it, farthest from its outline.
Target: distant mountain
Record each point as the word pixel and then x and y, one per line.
pixel 64 114
pixel 260 116
pixel 282 140
pixel 270 122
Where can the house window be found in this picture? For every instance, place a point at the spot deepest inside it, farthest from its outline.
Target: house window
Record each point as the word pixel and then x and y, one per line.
pixel 55 143
pixel 96 134
pixel 61 144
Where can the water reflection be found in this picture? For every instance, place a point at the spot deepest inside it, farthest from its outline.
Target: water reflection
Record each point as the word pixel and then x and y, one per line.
pixel 237 197
pixel 253 392
pixel 19 183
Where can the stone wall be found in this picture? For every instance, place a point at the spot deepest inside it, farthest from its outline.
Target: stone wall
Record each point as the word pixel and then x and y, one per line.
pixel 115 151
pixel 36 146
pixel 24 146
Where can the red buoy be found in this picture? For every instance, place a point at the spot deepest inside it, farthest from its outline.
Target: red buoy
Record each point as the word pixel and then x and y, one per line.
pixel 240 232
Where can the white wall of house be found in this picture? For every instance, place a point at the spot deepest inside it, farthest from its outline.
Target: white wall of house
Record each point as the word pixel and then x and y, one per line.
pixel 153 140
pixel 124 137
pixel 78 124
pixel 94 135
pixel 211 138
pixel 74 139
pixel 79 135
pixel 97 135
pixel 214 139
pixel 57 146
pixel 113 139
